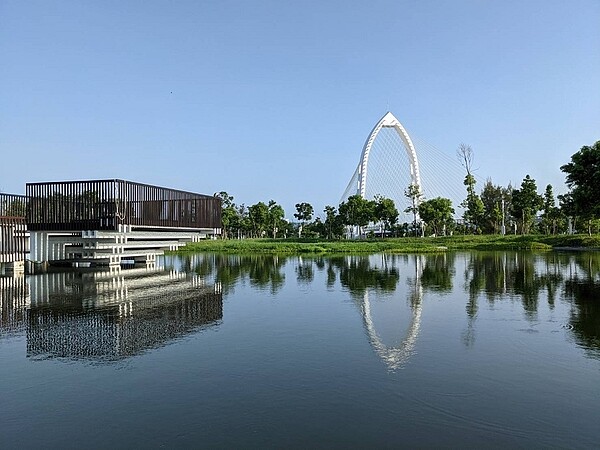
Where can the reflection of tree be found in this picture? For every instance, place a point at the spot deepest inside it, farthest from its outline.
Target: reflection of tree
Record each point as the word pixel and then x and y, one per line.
pixel 585 318
pixel 330 275
pixel 357 274
pixel 438 272
pixel 501 273
pixel 496 275
pixel 262 271
pixel 526 282
pixel 304 271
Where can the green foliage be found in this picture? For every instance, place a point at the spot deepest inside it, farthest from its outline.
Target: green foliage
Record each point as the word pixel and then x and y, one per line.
pixel 385 212
pixel 259 216
pixel 229 213
pixel 492 198
pixel 552 217
pixel 304 214
pixel 396 245
pixel 275 217
pixel 15 208
pixel 356 211
pixel 526 202
pixel 437 213
pixel 583 178
pixel 304 211
pixel 333 223
pixel 414 194
pixel 473 205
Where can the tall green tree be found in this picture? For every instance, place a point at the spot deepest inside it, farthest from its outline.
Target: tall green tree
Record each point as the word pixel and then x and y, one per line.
pixel 304 213
pixel 228 212
pixel 526 202
pixel 414 194
pixel 583 178
pixel 473 205
pixel 356 211
pixel 258 216
pixel 385 212
pixel 275 217
pixel 437 213
pixel 568 209
pixel 491 197
pixel 551 214
pixel 333 223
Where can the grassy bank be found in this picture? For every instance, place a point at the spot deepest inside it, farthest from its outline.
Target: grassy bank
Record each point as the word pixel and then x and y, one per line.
pixel 399 245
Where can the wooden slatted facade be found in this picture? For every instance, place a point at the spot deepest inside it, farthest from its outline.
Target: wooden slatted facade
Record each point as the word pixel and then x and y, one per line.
pixel 106 204
pixel 14 240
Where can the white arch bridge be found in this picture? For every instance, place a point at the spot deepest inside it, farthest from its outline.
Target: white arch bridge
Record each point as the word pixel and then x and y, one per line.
pixel 391 160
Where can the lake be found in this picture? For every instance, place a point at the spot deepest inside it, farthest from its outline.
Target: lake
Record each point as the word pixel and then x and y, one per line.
pixel 222 351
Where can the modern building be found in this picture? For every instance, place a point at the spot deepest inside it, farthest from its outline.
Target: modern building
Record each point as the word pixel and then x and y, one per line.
pixel 14 239
pixel 107 222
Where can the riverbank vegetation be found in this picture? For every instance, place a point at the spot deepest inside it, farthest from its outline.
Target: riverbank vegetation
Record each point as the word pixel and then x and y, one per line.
pixel 508 217
pixel 397 245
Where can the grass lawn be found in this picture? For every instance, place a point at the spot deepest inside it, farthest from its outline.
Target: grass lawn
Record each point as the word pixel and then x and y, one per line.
pixel 399 245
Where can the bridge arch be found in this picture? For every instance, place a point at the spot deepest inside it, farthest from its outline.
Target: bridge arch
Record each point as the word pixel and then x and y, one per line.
pixel 388 121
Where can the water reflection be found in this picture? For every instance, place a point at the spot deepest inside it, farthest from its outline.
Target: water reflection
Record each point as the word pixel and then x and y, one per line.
pixel 264 272
pixel 115 314
pixel 14 302
pixel 585 317
pixel 390 311
pixel 374 282
pixel 112 314
pixel 396 355
pixel 573 277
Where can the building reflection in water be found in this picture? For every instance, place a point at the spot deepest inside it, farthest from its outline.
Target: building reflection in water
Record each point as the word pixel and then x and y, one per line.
pixel 112 314
pixel 14 303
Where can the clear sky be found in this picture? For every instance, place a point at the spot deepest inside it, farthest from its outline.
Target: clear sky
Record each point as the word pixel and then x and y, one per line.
pixel 274 99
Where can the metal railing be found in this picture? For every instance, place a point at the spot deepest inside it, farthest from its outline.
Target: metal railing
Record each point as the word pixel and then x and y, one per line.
pixel 106 204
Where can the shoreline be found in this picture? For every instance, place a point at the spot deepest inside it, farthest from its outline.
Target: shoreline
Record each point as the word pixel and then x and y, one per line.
pixel 399 245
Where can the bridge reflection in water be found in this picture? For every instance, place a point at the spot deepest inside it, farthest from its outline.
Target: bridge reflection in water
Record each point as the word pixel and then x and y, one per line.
pixel 396 355
pixel 113 314
pixel 391 324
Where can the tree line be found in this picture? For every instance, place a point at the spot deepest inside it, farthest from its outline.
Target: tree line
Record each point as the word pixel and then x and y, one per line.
pixel 494 209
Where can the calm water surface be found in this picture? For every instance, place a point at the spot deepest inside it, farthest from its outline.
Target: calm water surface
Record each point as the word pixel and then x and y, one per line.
pixel 450 350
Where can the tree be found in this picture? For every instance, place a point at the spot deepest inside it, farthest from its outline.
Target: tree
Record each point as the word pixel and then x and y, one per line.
pixel 473 205
pixel 583 178
pixel 258 215
pixel 333 223
pixel 496 202
pixel 243 224
pixel 304 214
pixel 491 197
pixel 437 213
pixel 413 192
pixel 228 212
pixel 385 212
pixel 526 202
pixel 15 208
pixel 275 217
pixel 568 209
pixel 356 211
pixel 551 214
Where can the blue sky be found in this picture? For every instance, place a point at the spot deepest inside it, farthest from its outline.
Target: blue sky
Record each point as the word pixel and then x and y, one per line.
pixel 274 99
